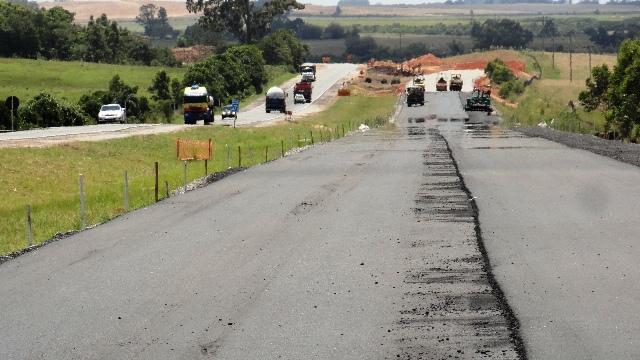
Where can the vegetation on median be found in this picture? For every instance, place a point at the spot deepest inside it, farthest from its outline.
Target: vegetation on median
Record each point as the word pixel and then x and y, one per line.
pixel 47 178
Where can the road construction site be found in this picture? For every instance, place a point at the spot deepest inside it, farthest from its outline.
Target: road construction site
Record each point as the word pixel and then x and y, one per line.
pixel 445 236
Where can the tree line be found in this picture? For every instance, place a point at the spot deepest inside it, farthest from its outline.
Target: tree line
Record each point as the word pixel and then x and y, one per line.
pixel 31 32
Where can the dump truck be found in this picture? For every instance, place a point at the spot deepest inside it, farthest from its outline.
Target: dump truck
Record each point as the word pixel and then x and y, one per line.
pixel 455 84
pixel 308 72
pixel 419 81
pixel 480 100
pixel 197 104
pixel 276 100
pixel 305 88
pixel 441 85
pixel 415 95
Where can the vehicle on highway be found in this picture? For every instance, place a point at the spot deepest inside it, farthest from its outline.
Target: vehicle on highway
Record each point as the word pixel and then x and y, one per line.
pixel 305 88
pixel 455 84
pixel 197 105
pixel 112 113
pixel 419 81
pixel 229 112
pixel 299 99
pixel 275 100
pixel 441 85
pixel 480 100
pixel 308 76
pixel 415 95
pixel 308 72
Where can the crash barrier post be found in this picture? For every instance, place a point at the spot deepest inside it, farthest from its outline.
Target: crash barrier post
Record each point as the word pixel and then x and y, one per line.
pixel 29 227
pixel 83 219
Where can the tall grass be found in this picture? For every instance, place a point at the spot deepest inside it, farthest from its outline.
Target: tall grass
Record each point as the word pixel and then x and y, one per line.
pixel 47 178
pixel 548 99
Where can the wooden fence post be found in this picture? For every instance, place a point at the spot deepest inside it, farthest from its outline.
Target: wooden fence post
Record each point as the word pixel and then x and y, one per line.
pixel 239 157
pixel 29 227
pixel 156 182
pixel 83 217
pixel 126 191
pixel 282 147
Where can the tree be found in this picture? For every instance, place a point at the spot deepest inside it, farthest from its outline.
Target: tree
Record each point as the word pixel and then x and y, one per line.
pixel 160 86
pixel 334 31
pixel 498 72
pixel 282 47
pixel 361 47
pixel 252 62
pixel 338 11
pixel 248 20
pixel 155 21
pixel 617 92
pixel 548 29
pixel 597 86
pixel 504 32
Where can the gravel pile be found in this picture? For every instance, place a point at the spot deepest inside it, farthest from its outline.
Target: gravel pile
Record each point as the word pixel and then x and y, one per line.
pixel 625 152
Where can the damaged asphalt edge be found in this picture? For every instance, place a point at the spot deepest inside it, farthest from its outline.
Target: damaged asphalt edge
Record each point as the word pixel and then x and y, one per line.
pixel 512 321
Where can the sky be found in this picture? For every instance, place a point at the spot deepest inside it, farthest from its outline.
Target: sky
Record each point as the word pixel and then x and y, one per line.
pixel 373 2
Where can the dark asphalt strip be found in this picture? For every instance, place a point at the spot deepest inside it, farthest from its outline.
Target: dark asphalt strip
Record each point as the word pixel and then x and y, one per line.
pixel 512 320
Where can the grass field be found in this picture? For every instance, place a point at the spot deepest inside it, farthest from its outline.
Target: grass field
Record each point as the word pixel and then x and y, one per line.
pixel 70 80
pixel 548 99
pixel 47 178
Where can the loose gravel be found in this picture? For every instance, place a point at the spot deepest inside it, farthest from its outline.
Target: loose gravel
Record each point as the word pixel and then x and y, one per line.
pixel 625 152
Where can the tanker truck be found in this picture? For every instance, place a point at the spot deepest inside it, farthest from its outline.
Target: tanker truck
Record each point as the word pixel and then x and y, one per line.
pixel 455 84
pixel 276 100
pixel 415 95
pixel 197 105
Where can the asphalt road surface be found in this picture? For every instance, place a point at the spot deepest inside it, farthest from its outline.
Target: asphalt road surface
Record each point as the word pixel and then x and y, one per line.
pixel 327 76
pixel 364 248
pixel 369 247
pixel 561 228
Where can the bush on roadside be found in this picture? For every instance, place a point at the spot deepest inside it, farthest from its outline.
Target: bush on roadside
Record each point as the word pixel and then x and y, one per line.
pixel 395 81
pixel 43 110
pixel 367 80
pixel 512 87
pixel 498 72
pixel 383 81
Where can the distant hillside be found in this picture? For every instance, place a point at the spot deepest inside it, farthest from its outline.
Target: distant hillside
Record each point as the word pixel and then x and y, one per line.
pixel 353 3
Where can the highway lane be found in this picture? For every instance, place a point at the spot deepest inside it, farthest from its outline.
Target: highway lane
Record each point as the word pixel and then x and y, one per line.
pixel 364 248
pixel 561 229
pixel 328 76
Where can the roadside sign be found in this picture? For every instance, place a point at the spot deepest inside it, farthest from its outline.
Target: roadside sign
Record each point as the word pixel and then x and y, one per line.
pixel 193 149
pixel 12 104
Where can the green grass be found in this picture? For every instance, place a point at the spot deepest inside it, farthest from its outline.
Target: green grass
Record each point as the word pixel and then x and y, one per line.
pixel 47 178
pixel 548 99
pixel 70 79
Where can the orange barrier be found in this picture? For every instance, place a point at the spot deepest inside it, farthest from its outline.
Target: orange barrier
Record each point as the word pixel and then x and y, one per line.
pixel 193 149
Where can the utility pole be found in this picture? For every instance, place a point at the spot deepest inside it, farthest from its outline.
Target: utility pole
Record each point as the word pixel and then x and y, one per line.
pixel 542 33
pixel 553 50
pixel 570 58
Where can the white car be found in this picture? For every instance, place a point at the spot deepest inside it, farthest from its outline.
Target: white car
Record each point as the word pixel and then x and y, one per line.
pixel 112 113
pixel 308 76
pixel 299 98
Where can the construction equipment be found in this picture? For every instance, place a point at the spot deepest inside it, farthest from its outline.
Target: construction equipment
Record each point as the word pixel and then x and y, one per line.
pixel 441 85
pixel 197 105
pixel 415 95
pixel 480 100
pixel 455 84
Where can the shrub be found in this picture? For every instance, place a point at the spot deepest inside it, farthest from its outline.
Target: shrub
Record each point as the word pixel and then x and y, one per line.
pixel 383 81
pixel 367 80
pixel 511 87
pixel 395 81
pixel 498 72
pixel 44 110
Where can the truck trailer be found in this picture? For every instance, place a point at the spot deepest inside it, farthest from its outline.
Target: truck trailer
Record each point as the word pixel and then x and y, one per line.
pixel 276 100
pixel 305 88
